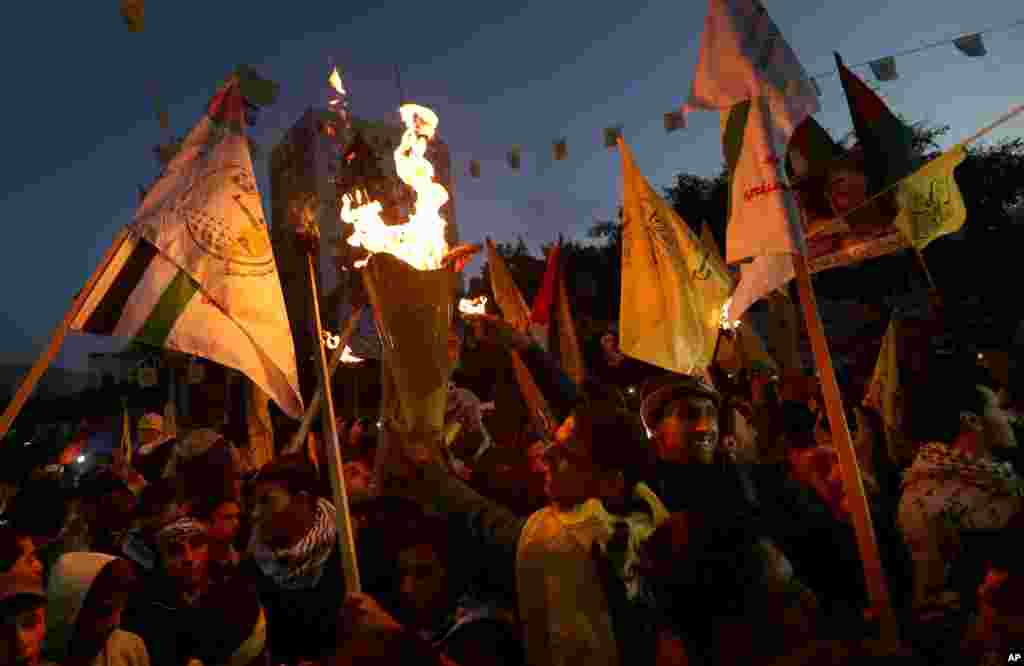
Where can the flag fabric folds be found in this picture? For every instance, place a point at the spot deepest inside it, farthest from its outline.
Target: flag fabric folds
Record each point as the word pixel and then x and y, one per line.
pixel 513 308
pixel 196 273
pixel 886 140
pixel 506 293
pixel 540 315
pixel 884 393
pixel 748 72
pixel 930 202
pixel 672 291
pixel 744 55
pixel 569 351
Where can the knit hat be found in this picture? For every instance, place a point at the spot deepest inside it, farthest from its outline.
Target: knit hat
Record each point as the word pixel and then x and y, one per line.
pixel 151 421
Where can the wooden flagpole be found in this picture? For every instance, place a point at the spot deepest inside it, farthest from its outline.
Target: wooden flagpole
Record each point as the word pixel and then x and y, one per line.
pixel 346 542
pixel 860 512
pixel 35 373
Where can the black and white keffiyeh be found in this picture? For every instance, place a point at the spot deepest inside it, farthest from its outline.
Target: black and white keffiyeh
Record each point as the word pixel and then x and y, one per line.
pixel 301 566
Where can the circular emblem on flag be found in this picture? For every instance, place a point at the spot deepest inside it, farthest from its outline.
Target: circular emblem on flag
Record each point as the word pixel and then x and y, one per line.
pixel 224 217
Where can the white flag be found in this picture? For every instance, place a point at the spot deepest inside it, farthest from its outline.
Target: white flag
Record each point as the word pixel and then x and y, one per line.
pixel 748 72
pixel 211 288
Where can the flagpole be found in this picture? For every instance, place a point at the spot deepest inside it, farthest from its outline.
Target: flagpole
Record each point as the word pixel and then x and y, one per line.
pixel 313 407
pixel 349 565
pixel 874 574
pixel 32 377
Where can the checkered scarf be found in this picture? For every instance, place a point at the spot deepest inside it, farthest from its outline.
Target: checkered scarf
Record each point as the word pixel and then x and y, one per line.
pixel 301 566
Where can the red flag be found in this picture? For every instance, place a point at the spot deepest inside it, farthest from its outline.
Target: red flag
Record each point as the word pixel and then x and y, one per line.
pixel 540 317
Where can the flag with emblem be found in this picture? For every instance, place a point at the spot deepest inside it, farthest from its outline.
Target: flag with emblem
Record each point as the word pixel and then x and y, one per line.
pixel 672 289
pixel 196 271
pixel 930 202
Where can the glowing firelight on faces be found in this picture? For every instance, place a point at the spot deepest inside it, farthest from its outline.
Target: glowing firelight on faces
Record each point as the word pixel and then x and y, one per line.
pixel 420 242
pixel 473 306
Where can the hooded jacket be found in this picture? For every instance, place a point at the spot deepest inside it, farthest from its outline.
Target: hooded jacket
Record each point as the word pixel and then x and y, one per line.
pixel 70 581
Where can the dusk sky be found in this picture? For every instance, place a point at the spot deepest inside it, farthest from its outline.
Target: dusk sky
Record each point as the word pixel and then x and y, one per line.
pixel 83 95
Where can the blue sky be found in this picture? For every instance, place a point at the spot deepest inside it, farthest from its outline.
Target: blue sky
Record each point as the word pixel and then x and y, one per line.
pixel 83 94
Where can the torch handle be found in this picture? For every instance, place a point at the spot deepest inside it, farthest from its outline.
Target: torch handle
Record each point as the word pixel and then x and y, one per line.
pixel 346 542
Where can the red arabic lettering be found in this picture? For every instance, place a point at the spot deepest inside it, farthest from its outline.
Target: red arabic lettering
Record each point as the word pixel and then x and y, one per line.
pixel 763 189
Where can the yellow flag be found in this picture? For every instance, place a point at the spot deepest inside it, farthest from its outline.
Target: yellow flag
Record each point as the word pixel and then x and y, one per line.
pixel 569 350
pixel 507 295
pixel 541 418
pixel 884 394
pixel 711 245
pixel 514 309
pixel 930 202
pixel 133 13
pixel 672 288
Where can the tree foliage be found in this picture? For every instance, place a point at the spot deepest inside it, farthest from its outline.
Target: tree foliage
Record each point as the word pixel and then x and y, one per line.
pixel 993 192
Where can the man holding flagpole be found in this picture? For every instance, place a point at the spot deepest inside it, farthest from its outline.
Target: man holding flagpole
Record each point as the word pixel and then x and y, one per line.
pixel 748 72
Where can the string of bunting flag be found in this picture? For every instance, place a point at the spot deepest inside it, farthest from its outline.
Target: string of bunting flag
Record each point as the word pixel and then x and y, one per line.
pixel 971 45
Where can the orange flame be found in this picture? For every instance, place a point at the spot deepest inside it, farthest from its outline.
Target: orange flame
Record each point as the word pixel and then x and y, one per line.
pixel 348 358
pixel 473 306
pixel 420 241
pixel 335 82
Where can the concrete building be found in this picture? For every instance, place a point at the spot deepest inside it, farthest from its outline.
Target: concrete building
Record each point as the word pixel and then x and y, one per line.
pixel 305 168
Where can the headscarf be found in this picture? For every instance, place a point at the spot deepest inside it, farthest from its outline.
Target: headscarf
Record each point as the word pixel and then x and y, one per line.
pixel 301 566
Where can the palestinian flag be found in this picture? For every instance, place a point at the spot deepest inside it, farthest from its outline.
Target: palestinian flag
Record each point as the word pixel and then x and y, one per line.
pixel 886 140
pixel 195 272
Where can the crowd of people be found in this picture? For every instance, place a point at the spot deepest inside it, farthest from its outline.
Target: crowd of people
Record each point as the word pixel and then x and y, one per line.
pixel 695 522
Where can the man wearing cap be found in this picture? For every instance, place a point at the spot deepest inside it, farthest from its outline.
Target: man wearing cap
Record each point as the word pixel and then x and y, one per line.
pixel 22 619
pixel 681 415
pixel 155 446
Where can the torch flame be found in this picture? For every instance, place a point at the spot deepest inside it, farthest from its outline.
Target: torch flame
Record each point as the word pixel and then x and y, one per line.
pixel 335 82
pixel 724 322
pixel 348 358
pixel 420 241
pixel 473 306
